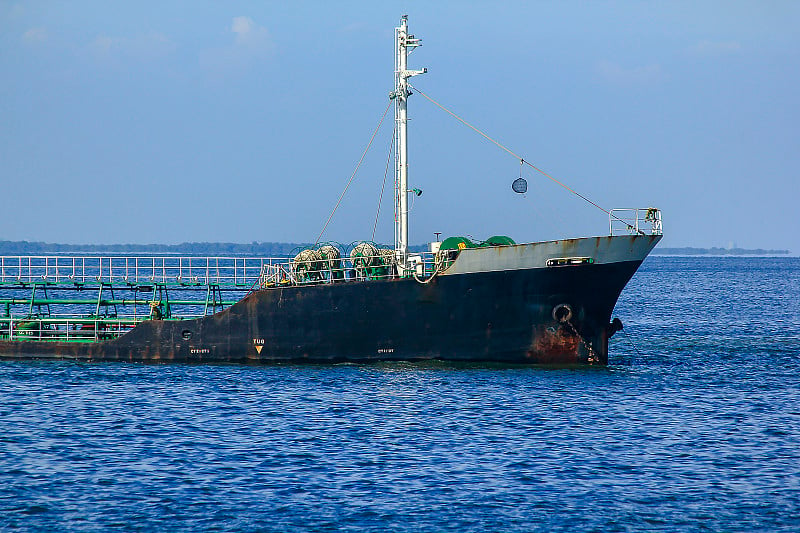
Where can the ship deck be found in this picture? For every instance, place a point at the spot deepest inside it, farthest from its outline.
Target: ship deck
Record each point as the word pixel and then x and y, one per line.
pixel 96 298
pixel 91 298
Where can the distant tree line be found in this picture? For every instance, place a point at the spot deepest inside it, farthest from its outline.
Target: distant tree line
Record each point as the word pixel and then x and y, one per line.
pixel 717 251
pixel 187 248
pixel 258 249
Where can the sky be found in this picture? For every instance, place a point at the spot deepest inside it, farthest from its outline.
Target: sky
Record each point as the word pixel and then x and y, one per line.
pixel 168 122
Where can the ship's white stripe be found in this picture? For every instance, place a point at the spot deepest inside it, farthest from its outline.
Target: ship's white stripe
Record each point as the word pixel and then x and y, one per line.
pixel 603 250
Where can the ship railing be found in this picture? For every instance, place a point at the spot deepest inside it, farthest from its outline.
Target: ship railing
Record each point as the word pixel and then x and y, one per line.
pixel 195 271
pixel 277 274
pixel 376 267
pixel 65 301
pixel 133 270
pixel 635 221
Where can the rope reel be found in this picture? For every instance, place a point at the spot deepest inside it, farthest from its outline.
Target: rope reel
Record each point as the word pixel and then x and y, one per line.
pixel 387 256
pixel 307 265
pixel 332 261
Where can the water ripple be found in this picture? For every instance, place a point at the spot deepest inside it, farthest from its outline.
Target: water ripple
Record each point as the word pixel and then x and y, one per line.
pixel 697 430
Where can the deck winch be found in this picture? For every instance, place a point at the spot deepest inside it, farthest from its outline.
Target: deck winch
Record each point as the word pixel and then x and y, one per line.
pixel 371 262
pixel 450 247
pixel 307 265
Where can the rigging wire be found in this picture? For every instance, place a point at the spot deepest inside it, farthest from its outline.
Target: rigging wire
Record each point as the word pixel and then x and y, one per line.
pixel 380 198
pixel 632 344
pixel 521 159
pixel 353 175
pixel 548 220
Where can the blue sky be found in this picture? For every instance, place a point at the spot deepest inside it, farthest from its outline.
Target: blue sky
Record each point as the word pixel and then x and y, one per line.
pixel 242 121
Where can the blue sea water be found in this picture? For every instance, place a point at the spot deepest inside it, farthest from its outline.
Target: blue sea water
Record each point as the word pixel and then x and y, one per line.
pixel 694 426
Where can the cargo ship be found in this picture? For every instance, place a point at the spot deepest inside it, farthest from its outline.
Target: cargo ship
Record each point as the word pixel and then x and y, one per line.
pixel 496 300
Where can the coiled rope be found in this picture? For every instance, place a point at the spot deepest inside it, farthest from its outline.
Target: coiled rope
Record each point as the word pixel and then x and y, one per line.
pixel 437 269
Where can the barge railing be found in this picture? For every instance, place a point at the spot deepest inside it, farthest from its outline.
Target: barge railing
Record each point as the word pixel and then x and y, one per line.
pixel 93 298
pixel 173 270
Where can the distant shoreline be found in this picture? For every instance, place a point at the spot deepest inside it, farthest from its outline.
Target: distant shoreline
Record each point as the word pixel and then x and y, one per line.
pixel 194 248
pixel 278 249
pixel 259 249
pixel 717 251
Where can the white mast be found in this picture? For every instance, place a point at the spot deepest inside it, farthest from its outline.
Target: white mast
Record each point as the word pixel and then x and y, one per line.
pixel 404 44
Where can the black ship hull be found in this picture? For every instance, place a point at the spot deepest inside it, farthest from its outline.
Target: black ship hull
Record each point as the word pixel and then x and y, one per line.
pixel 541 315
pixel 547 302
